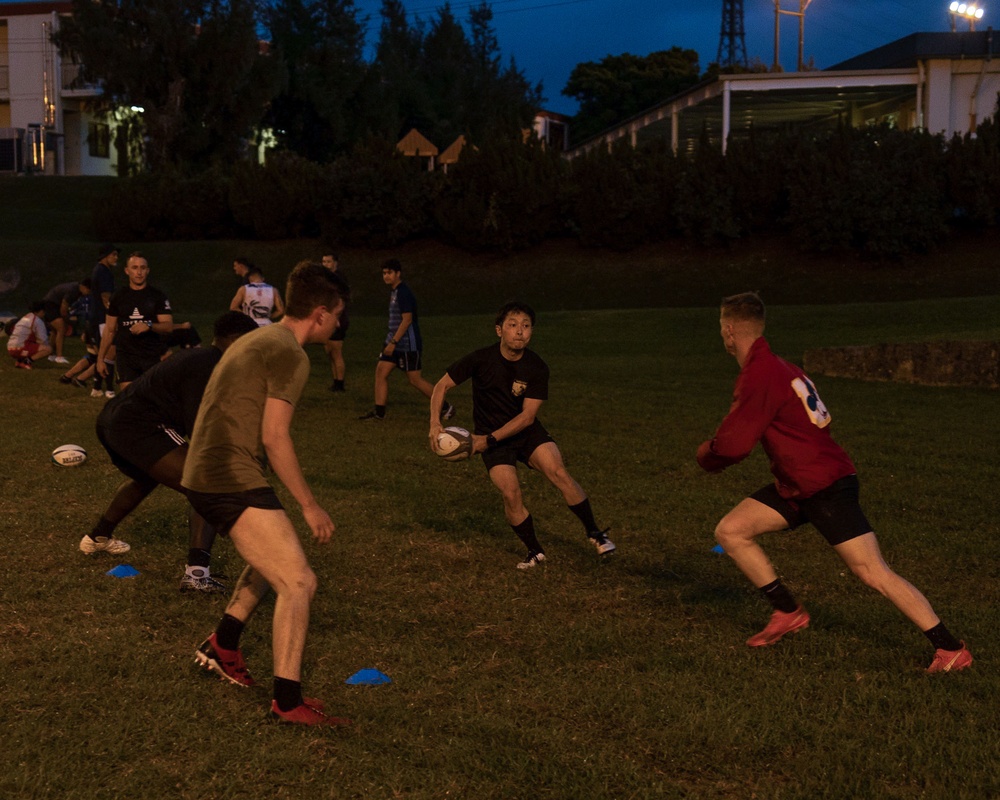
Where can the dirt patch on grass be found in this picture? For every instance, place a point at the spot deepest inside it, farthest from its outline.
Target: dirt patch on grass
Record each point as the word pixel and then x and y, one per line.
pixel 925 363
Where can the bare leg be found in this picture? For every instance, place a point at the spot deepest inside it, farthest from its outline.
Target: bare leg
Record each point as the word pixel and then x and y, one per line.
pixel 737 531
pixel 548 460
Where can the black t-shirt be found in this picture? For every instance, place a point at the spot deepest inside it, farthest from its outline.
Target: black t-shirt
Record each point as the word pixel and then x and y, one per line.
pixel 499 386
pixel 138 305
pixel 168 394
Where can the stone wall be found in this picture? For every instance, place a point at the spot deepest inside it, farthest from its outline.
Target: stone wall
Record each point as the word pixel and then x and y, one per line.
pixel 926 363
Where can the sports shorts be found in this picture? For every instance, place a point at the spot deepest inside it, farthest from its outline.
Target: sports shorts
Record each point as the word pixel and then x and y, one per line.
pixel 408 360
pixel 129 366
pixel 133 441
pixel 340 332
pixel 518 447
pixel 222 510
pixel 834 511
pixel 26 350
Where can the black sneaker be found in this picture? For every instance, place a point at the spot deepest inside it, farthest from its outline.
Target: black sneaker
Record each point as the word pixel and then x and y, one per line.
pixel 373 415
pixel 533 560
pixel 605 547
pixel 65 379
pixel 448 413
pixel 78 383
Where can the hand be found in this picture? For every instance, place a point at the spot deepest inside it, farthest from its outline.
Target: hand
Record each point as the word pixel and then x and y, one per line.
pixel 319 523
pixel 432 437
pixel 133 330
pixel 102 367
pixel 479 444
pixel 389 349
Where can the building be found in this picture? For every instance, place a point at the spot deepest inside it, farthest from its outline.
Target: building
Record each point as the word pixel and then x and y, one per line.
pixel 945 83
pixel 46 124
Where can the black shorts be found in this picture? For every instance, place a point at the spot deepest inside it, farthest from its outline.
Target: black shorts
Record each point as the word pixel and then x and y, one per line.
pixel 222 510
pixel 408 360
pixel 134 442
pixel 340 333
pixel 518 447
pixel 834 511
pixel 129 366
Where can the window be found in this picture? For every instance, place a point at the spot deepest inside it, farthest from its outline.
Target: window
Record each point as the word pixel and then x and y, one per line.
pixel 99 140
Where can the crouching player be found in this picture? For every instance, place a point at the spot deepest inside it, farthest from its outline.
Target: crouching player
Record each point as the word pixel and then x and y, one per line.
pixel 776 404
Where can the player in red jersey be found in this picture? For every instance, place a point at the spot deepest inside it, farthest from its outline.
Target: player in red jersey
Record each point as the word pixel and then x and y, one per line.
pixel 776 404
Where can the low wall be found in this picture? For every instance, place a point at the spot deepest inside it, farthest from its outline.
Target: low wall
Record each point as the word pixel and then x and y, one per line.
pixel 926 363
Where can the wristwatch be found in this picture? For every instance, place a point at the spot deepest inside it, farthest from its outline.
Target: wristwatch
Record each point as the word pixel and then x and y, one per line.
pixel 491 441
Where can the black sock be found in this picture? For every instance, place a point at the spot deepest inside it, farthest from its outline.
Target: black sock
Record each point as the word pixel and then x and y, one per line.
pixel 102 528
pixel 585 515
pixel 779 597
pixel 287 694
pixel 379 410
pixel 199 558
pixel 526 533
pixel 338 384
pixel 942 639
pixel 228 633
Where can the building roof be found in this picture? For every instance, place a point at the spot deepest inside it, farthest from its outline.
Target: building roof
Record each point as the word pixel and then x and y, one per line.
pixel 906 52
pixel 452 152
pixel 26 9
pixel 416 144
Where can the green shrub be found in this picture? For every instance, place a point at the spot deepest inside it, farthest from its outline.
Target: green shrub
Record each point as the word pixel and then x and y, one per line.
pixel 277 200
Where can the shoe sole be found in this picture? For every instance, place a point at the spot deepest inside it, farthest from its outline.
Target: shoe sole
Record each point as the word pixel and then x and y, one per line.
pixel 211 665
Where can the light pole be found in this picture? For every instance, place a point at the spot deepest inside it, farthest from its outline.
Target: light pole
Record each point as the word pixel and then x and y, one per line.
pixel 801 14
pixel 970 11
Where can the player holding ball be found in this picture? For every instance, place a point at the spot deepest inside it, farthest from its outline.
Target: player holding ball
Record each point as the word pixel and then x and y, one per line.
pixel 509 384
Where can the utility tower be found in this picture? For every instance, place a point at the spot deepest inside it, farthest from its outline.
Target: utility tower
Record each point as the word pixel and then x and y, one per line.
pixel 732 44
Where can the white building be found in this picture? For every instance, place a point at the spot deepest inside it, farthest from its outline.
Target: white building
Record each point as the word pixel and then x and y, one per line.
pixel 45 124
pixel 944 83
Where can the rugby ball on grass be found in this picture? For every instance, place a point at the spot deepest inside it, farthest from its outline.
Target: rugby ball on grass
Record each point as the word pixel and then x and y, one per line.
pixel 454 444
pixel 69 455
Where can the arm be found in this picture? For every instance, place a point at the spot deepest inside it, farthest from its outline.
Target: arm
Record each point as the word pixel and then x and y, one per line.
pixel 744 426
pixel 277 440
pixel 279 305
pixel 237 303
pixel 437 403
pixel 514 425
pixel 107 340
pixel 400 332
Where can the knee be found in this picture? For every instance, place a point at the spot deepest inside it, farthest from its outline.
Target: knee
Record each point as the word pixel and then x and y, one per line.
pixel 730 532
pixel 302 584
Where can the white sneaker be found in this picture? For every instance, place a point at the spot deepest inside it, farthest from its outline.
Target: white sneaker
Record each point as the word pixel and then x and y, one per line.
pixel 59 359
pixel 109 394
pixel 96 393
pixel 104 544
pixel 531 561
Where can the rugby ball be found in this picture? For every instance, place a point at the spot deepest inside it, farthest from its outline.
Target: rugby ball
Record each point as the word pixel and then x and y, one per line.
pixel 69 455
pixel 454 444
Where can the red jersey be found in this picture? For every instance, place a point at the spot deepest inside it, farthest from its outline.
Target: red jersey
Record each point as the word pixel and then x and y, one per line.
pixel 776 404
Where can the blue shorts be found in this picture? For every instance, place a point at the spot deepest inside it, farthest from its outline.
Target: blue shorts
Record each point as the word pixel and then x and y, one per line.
pixel 834 511
pixel 408 360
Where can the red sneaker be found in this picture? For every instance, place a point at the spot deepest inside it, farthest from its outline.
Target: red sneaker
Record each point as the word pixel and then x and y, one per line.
pixel 227 664
pixel 780 624
pixel 306 714
pixel 951 660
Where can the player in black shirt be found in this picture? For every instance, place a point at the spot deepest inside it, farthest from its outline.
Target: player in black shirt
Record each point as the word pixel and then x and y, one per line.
pixel 509 384
pixel 144 429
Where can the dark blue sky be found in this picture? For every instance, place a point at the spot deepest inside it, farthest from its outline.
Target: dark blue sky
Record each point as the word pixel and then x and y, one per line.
pixel 550 37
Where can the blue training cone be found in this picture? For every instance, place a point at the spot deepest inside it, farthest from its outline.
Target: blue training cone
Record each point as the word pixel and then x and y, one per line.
pixel 122 571
pixel 368 677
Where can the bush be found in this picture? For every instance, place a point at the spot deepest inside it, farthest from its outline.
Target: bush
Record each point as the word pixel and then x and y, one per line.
pixel 279 200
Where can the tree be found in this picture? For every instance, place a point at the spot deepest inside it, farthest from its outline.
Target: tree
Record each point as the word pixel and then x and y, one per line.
pixel 618 87
pixel 195 67
pixel 320 45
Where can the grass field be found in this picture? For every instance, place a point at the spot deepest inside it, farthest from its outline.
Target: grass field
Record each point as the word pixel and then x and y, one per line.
pixel 626 679
pixel 579 680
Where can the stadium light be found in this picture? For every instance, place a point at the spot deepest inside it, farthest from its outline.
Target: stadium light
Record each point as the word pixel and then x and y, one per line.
pixel 801 14
pixel 966 11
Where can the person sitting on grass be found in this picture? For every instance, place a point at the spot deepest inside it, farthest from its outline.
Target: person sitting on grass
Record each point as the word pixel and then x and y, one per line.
pixel 29 340
pixel 776 404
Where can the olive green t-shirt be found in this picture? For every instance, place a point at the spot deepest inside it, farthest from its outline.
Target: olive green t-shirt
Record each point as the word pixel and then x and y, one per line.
pixel 226 449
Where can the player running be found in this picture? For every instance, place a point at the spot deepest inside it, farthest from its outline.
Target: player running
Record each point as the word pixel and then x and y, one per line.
pixel 509 384
pixel 775 403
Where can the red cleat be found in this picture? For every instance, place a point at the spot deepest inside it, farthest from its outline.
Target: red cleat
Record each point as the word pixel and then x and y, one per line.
pixel 227 664
pixel 951 660
pixel 781 624
pixel 306 714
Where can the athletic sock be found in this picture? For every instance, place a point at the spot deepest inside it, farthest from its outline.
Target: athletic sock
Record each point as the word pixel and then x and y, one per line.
pixel 102 528
pixel 379 410
pixel 942 639
pixel 228 633
pixel 526 533
pixel 287 694
pixel 779 597
pixel 199 558
pixel 585 515
pixel 338 385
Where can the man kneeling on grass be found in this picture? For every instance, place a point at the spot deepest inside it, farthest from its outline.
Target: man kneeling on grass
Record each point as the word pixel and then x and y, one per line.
pixel 246 413
pixel 776 404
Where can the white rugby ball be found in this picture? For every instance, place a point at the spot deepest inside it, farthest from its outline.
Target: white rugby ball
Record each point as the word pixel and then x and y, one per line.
pixel 454 444
pixel 69 455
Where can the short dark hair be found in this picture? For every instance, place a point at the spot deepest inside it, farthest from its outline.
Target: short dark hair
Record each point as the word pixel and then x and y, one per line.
pixel 246 262
pixel 312 285
pixel 254 271
pixel 232 324
pixel 392 264
pixel 515 307
pixel 746 307
pixel 85 283
pixel 36 306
